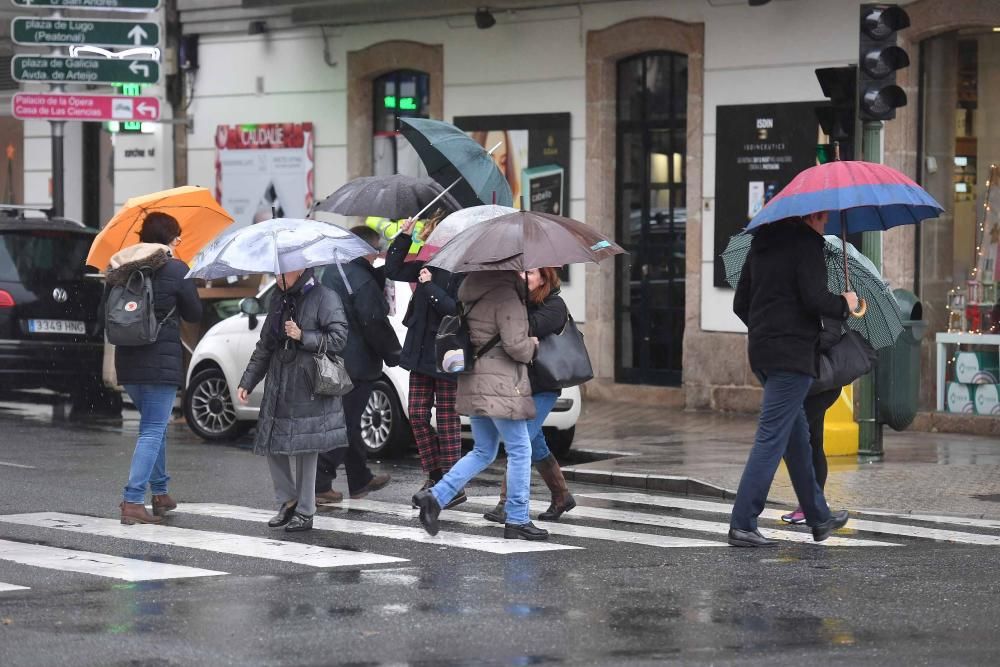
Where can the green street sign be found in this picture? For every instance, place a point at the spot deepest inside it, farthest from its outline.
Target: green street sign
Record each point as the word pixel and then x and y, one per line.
pixel 148 5
pixel 66 31
pixel 57 69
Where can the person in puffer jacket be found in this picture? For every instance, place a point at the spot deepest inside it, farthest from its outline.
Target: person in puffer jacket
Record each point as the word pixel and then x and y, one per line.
pixel 152 373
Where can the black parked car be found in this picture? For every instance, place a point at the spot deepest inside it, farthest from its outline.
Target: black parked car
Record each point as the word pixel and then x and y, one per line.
pixel 51 333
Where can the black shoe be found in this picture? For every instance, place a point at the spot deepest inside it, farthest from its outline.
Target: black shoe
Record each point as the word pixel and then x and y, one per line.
pixel 497 515
pixel 459 498
pixel 524 531
pixel 299 523
pixel 556 510
pixel 374 484
pixel 749 538
pixel 836 520
pixel 428 483
pixel 429 510
pixel 283 516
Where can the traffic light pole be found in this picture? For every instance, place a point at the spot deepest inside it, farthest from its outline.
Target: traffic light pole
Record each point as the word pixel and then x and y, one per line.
pixel 869 428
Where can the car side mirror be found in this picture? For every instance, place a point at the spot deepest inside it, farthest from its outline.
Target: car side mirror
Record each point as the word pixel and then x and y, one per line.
pixel 251 307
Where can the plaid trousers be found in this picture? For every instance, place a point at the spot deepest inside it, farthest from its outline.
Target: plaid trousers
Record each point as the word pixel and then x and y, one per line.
pixel 438 451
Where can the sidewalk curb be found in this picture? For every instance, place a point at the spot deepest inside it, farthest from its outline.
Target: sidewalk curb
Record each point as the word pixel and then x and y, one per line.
pixel 633 480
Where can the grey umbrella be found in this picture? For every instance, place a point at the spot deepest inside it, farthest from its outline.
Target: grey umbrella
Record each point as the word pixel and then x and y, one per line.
pixel 394 197
pixel 881 323
pixel 524 240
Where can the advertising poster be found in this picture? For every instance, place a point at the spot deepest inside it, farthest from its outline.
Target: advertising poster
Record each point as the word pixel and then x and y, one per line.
pixel 759 149
pixel 263 168
pixel 533 155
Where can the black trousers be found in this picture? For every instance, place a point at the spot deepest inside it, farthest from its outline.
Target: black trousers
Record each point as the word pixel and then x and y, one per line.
pixel 353 456
pixel 816 407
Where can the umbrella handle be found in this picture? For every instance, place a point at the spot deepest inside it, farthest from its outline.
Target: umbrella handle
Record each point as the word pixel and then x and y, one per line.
pixel 862 309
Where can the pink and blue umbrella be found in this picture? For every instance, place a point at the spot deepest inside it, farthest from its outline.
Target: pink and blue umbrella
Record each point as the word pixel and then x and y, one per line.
pixel 860 196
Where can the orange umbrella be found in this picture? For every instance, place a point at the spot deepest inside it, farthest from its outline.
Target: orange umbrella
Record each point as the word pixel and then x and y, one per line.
pixel 201 219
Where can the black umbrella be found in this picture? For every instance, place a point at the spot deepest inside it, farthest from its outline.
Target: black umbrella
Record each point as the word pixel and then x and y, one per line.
pixel 457 162
pixel 394 197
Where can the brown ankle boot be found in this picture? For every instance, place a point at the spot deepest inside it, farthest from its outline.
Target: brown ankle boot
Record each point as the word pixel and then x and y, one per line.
pixel 562 499
pixel 498 514
pixel 163 504
pixel 136 513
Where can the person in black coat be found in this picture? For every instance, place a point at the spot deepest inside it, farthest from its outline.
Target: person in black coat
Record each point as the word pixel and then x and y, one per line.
pixel 434 296
pixel 547 315
pixel 152 373
pixel 371 341
pixel 781 297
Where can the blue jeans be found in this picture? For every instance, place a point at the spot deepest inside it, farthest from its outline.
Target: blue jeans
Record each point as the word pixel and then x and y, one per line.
pixel 781 431
pixel 544 403
pixel 155 403
pixel 487 432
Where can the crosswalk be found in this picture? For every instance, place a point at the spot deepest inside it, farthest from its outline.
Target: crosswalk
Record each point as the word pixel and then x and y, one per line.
pixel 624 519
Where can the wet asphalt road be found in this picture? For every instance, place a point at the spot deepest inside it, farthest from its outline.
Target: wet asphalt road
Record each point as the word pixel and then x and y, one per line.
pixel 609 602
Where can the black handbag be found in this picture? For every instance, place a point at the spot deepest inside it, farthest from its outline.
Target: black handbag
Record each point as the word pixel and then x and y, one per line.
pixel 847 360
pixel 562 360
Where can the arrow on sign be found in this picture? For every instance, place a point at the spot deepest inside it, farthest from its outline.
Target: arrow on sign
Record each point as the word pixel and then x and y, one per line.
pixel 144 108
pixel 137 34
pixel 135 68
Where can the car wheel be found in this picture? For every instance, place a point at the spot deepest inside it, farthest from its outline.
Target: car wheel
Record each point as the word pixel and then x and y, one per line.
pixel 560 441
pixel 208 407
pixel 384 429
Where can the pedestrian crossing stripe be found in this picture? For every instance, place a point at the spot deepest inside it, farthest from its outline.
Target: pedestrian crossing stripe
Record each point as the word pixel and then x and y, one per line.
pixel 410 533
pixel 881 527
pixel 101 565
pixel 642 518
pixel 935 518
pixel 225 543
pixel 11 587
pixel 586 532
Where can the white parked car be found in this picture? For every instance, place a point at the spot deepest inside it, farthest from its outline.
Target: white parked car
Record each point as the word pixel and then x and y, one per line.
pixel 217 364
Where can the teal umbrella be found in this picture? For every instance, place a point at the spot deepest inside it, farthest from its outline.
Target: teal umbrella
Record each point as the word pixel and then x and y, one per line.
pixel 881 323
pixel 459 164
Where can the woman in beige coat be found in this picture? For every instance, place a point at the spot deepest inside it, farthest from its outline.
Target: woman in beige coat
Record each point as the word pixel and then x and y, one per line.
pixel 496 396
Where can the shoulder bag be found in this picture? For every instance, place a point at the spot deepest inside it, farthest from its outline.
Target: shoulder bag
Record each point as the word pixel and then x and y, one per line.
pixel 330 377
pixel 562 360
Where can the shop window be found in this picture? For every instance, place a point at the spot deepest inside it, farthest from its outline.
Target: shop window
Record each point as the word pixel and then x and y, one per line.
pixel 398 94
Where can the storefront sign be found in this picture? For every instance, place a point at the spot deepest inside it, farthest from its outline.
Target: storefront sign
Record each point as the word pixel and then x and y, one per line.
pixel 60 31
pixel 57 69
pixel 61 106
pixel 759 149
pixel 260 169
pixel 145 5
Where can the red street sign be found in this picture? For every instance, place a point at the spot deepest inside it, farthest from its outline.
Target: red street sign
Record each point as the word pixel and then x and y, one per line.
pixel 98 108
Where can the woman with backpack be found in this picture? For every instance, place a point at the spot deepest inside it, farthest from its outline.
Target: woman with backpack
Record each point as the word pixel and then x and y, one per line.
pixel 496 394
pixel 547 315
pixel 295 424
pixel 433 298
pixel 152 373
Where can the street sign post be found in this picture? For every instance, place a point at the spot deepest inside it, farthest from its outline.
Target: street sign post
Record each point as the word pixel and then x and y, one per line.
pixel 59 69
pixel 66 31
pixel 98 108
pixel 113 5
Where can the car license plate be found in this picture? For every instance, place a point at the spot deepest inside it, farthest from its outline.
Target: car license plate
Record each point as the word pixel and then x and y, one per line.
pixel 57 327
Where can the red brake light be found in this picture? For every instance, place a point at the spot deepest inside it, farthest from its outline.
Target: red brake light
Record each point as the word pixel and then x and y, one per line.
pixel 6 300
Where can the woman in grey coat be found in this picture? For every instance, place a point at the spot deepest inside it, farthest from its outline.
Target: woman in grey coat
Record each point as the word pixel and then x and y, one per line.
pixel 295 425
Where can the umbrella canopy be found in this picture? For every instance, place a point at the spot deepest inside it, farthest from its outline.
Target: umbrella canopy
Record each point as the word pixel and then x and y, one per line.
pixel 394 197
pixel 524 240
pixel 451 155
pixel 201 219
pixel 860 196
pixel 459 221
pixel 277 246
pixel 881 323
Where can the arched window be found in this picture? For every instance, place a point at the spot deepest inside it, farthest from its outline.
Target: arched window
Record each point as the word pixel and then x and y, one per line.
pixel 651 216
pixel 398 94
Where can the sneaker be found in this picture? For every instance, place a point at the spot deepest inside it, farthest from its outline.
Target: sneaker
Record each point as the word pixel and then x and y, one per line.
pixel 459 498
pixel 797 517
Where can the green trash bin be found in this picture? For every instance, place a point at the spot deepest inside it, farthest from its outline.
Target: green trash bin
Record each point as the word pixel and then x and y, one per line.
pixel 898 373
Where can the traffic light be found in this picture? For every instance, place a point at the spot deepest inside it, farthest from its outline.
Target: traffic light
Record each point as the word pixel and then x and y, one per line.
pixel 878 60
pixel 839 84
